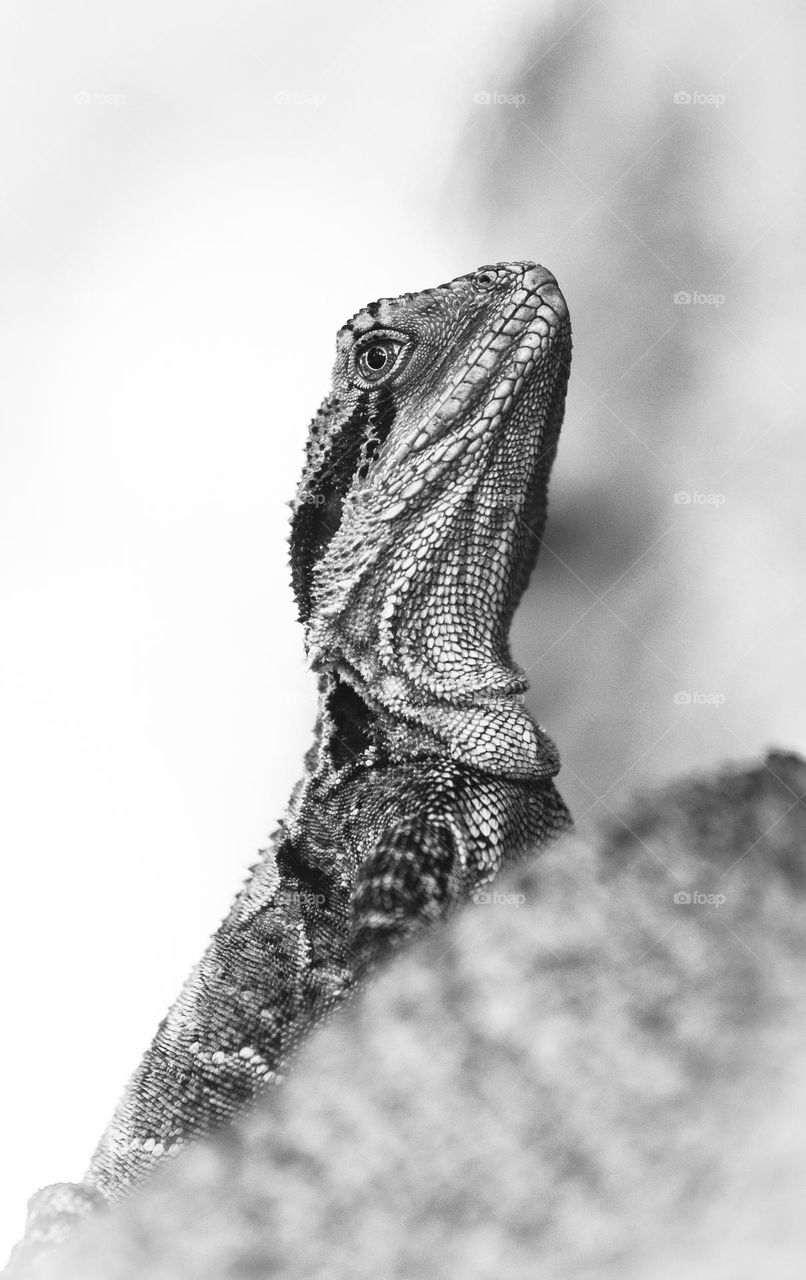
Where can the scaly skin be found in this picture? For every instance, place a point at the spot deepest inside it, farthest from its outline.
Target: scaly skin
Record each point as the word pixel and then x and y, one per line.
pixel 416 524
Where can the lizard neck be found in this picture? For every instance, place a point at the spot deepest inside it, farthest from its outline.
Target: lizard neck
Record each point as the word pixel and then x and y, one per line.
pixel 429 621
pixel 420 633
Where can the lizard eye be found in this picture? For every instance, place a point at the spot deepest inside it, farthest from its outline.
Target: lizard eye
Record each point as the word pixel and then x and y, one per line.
pixel 376 359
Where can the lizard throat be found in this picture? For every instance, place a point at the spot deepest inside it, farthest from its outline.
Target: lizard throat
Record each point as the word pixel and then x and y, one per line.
pixel 419 586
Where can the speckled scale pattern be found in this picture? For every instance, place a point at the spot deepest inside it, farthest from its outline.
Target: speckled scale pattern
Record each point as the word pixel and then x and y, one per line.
pixel 415 526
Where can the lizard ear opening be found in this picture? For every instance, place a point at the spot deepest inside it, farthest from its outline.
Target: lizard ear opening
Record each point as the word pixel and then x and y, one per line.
pixel 351 722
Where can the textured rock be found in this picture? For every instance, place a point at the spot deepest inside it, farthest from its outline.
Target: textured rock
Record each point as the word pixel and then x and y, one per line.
pixel 580 1076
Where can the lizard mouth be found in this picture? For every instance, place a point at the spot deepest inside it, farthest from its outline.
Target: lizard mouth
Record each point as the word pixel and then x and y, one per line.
pixel 496 369
pixel 531 332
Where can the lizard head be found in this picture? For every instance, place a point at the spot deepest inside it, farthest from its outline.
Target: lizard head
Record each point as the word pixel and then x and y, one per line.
pixel 422 502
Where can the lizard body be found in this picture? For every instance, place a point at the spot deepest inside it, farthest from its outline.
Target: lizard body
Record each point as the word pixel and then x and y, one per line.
pixel 415 527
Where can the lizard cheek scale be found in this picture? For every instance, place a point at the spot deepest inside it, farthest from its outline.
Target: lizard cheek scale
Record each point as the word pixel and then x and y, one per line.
pixel 415 526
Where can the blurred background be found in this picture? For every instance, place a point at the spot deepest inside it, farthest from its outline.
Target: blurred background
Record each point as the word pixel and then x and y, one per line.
pixel 194 198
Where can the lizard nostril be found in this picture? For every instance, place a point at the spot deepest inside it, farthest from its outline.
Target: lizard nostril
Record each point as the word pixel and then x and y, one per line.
pixel 484 279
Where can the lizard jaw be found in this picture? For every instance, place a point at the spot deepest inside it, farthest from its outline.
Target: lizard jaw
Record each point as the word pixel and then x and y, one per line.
pixel 505 354
pixel 530 325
